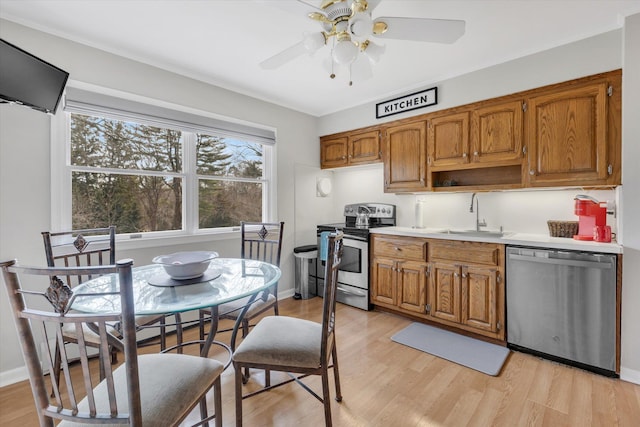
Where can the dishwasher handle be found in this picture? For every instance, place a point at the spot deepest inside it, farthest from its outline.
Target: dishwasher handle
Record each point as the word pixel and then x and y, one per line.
pixel 564 261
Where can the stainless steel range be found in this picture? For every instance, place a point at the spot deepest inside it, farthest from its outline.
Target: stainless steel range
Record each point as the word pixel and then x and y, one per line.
pixel 353 275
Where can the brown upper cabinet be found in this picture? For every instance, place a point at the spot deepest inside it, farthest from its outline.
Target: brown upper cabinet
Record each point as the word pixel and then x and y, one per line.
pixel 487 134
pixel 566 134
pixel 404 157
pixel 573 134
pixel 350 148
pixel 448 139
pixel 497 132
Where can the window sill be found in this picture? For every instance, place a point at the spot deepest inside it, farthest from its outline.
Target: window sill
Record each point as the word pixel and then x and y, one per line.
pixel 139 241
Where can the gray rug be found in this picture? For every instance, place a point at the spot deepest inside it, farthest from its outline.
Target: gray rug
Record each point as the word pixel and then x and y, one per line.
pixel 475 354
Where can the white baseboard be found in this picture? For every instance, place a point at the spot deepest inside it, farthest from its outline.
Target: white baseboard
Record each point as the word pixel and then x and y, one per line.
pixel 630 375
pixel 13 376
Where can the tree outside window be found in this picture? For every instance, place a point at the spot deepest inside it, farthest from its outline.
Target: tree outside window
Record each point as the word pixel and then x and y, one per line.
pixel 134 176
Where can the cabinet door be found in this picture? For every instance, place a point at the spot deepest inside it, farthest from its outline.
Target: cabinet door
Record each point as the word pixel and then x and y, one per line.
pixel 365 148
pixel 412 286
pixel 444 292
pixel 383 289
pixel 496 134
pixel 567 136
pixel 404 158
pixel 448 140
pixel 333 152
pixel 479 298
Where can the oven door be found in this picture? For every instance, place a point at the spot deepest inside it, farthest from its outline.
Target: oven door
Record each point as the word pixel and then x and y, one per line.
pixel 353 273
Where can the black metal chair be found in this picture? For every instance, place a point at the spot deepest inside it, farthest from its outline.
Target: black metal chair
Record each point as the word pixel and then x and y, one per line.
pixel 153 389
pixel 288 344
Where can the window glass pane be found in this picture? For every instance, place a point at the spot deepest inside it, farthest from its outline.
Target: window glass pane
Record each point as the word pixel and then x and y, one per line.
pixel 228 157
pixel 133 203
pixel 106 143
pixel 226 203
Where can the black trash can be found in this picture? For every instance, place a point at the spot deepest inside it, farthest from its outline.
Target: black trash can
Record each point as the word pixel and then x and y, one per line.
pixel 305 255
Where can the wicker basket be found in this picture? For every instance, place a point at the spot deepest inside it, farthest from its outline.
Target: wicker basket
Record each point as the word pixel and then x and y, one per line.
pixel 562 228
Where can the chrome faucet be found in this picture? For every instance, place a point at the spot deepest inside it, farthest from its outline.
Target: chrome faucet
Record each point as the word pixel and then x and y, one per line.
pixel 479 223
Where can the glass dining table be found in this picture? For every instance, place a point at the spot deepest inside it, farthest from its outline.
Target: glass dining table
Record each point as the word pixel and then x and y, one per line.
pixel 226 279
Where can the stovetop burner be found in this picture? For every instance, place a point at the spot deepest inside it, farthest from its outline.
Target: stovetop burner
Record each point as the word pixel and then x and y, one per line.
pixel 381 215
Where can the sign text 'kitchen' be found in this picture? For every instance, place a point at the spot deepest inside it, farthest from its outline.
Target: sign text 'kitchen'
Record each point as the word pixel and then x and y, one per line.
pixel 405 103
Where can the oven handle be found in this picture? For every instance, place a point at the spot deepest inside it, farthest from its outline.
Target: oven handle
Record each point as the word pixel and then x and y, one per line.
pixel 349 292
pixel 352 237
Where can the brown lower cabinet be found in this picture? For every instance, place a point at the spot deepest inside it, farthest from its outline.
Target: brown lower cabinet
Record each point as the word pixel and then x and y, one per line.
pixel 458 284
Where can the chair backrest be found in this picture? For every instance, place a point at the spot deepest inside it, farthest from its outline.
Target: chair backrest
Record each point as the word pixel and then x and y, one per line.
pixel 47 325
pixel 76 248
pixel 261 241
pixel 334 257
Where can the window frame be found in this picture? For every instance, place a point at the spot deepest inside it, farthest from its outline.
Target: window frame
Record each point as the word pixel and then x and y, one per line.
pixel 61 183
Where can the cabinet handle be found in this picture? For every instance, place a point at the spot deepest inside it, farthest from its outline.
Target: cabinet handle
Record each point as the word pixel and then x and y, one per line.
pixel 397 248
pixel 531 172
pixel 344 157
pixel 475 153
pixel 464 155
pixel 464 275
pixel 456 275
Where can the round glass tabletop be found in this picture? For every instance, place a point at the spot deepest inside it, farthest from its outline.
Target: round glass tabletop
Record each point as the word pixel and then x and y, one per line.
pixel 226 279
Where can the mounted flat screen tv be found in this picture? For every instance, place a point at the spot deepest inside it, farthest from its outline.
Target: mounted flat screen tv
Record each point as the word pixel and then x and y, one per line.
pixel 28 80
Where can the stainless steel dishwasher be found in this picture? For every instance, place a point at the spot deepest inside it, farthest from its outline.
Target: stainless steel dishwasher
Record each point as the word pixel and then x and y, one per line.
pixel 562 305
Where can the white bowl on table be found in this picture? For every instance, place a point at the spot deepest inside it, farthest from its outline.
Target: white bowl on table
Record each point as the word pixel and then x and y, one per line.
pixel 185 265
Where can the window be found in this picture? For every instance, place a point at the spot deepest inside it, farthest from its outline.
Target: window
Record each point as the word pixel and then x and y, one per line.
pixel 155 172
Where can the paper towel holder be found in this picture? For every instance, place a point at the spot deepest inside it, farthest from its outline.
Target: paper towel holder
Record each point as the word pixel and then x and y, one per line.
pixel 323 187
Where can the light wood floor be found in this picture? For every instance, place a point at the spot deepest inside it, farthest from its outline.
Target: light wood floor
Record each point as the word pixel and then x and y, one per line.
pixel 387 384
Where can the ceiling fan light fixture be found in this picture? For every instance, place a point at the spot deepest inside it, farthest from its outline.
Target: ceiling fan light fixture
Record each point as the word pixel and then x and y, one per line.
pixel 372 51
pixel 314 41
pixel 345 52
pixel 361 26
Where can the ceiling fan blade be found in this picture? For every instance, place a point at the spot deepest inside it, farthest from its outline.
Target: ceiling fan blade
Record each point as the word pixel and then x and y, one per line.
pixel 287 55
pixel 419 29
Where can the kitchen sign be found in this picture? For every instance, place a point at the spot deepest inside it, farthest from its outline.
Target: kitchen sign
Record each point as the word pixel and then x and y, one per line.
pixel 406 103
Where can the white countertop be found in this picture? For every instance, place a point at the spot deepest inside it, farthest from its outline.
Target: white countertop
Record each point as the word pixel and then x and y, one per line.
pixel 521 239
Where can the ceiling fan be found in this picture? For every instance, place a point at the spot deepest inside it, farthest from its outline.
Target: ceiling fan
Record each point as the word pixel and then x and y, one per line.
pixel 347 27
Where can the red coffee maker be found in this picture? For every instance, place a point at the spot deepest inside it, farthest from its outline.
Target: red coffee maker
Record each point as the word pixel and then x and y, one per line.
pixel 591 215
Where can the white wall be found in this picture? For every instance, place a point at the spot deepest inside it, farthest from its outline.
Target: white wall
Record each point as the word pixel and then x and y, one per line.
pixel 631 201
pixel 589 56
pixel 25 197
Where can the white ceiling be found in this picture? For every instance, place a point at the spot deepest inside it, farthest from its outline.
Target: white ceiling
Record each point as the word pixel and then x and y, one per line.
pixel 223 41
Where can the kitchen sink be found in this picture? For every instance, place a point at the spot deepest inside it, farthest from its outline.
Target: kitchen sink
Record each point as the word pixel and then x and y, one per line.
pixel 476 233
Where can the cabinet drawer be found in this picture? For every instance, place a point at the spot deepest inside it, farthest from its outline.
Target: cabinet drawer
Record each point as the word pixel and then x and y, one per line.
pixel 405 248
pixel 466 252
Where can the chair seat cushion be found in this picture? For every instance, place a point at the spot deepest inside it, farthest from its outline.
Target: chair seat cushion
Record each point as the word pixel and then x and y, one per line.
pixel 232 310
pixel 282 341
pixel 170 385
